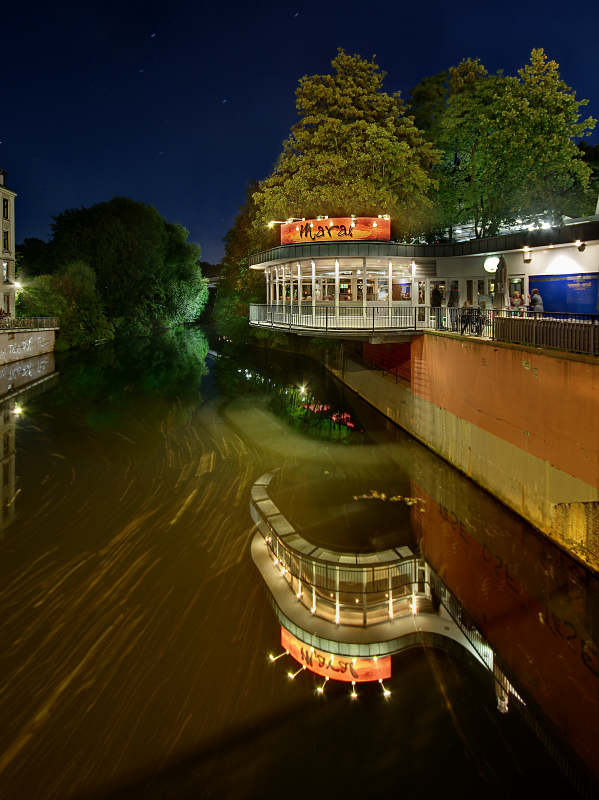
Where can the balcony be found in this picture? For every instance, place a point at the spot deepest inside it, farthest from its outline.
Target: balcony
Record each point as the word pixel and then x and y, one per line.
pixel 575 333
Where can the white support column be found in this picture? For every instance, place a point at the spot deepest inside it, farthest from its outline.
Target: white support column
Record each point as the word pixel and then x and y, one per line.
pixel 336 287
pixel 364 287
pixel 337 609
pixel 313 291
pixel 299 289
pixel 390 289
pixel 277 288
pixel 267 279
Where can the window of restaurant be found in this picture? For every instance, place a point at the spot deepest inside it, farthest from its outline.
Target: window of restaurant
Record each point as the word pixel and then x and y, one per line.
pixel 402 289
pixel 517 285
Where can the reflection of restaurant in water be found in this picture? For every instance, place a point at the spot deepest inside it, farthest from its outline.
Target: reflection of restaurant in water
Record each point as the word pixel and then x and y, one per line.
pixel 350 264
pixel 356 576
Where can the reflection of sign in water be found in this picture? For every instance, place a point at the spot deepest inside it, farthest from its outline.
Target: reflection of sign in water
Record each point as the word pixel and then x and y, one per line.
pixel 338 229
pixel 337 668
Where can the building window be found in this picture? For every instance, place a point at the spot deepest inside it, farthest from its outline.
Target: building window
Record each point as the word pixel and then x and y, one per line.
pixel 5 207
pixel 5 271
pixel 7 303
pixel 5 240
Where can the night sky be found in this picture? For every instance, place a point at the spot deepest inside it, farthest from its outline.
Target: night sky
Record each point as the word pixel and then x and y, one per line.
pixel 180 104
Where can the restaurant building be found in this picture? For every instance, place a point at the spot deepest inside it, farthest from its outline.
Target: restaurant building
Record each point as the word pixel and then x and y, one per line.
pixel 345 276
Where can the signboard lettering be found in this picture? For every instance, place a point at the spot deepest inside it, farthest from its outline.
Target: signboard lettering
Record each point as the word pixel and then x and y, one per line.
pixel 336 229
pixel 337 668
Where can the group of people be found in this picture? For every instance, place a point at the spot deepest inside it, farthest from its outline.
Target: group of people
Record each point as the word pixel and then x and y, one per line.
pixel 535 302
pixel 472 319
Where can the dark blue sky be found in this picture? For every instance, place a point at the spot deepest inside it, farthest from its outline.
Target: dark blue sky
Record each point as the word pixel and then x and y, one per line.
pixel 180 104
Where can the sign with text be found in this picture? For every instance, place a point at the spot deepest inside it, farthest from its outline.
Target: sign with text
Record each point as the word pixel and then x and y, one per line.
pixel 337 668
pixel 338 229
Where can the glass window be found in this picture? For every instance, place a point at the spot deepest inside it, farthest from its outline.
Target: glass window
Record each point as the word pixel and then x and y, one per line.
pixel 5 207
pixel 402 289
pixel 5 240
pixel 345 290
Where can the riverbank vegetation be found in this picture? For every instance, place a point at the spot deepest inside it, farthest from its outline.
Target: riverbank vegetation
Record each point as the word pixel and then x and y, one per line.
pixel 116 267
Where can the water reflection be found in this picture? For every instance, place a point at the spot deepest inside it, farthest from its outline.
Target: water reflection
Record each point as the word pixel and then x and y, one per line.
pixel 135 628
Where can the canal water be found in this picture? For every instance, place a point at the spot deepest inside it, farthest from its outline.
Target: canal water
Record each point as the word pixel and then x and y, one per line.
pixel 135 630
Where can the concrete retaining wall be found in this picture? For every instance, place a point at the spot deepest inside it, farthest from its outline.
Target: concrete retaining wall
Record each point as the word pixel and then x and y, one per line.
pixel 521 423
pixel 18 344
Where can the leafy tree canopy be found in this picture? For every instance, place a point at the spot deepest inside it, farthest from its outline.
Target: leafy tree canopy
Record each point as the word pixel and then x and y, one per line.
pixel 352 150
pixel 238 285
pixel 147 274
pixel 71 295
pixel 508 144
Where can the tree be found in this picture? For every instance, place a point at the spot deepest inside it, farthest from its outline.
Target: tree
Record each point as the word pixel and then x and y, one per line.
pixel 238 285
pixel 31 257
pixel 71 295
pixel 508 145
pixel 147 274
pixel 353 149
pixel 427 103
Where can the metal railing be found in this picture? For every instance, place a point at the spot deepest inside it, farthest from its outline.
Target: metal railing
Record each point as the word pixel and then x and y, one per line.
pixel 20 323
pixel 576 333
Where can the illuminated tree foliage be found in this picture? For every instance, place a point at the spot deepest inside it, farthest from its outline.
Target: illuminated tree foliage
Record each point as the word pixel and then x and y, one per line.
pixel 70 294
pixel 353 150
pixel 147 274
pixel 238 285
pixel 508 145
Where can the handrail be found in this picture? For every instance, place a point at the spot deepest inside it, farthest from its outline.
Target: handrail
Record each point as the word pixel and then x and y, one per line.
pixel 19 323
pixel 576 333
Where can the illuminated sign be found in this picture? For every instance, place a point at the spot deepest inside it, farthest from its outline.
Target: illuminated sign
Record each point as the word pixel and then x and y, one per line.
pixel 491 263
pixel 338 229
pixel 337 668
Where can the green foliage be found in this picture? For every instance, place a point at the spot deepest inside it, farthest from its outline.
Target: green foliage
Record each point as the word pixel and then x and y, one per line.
pixel 238 285
pixel 353 149
pixel 508 145
pixel 147 274
pixel 31 258
pixel 70 295
pixel 427 102
pixel 590 155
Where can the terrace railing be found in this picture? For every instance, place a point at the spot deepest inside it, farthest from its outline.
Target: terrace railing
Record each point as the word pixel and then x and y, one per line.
pixel 576 333
pixel 28 323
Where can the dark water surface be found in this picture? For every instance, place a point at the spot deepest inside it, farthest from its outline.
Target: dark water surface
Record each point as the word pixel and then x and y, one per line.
pixel 135 628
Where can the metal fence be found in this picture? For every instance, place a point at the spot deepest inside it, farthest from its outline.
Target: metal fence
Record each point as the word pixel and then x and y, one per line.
pixel 576 333
pixel 20 323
